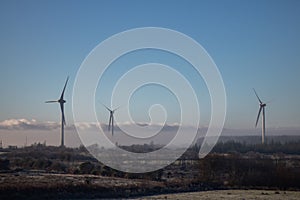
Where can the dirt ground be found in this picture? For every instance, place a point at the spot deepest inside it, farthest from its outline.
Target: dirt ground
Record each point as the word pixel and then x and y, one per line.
pixel 232 195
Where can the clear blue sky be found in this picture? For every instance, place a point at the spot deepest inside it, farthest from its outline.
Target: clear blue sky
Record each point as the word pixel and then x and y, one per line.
pixel 254 44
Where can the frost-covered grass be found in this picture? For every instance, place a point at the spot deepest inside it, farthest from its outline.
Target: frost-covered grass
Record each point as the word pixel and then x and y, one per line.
pixel 232 195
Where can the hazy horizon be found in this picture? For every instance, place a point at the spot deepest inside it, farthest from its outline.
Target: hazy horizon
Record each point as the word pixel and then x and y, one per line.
pixel 16 132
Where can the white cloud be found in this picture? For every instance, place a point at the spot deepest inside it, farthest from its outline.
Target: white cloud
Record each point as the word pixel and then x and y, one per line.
pixel 86 125
pixel 32 124
pixel 25 124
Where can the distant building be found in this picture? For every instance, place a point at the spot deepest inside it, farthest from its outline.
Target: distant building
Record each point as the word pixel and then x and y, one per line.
pixel 12 147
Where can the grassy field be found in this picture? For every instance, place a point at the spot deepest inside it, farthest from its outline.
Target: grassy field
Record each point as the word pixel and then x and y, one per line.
pixel 231 194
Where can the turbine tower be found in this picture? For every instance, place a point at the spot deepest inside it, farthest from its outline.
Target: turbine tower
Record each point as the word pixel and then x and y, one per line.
pixel 61 101
pixel 261 108
pixel 111 119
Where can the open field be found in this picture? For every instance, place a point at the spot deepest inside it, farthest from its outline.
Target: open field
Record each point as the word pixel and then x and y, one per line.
pixel 231 194
pixel 66 186
pixel 40 171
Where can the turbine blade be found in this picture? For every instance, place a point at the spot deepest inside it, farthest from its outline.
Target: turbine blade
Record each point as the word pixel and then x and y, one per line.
pixel 257 96
pixel 62 113
pixel 51 101
pixel 264 120
pixel 106 107
pixel 109 123
pixel 258 116
pixel 112 125
pixel 116 108
pixel 268 102
pixel 63 92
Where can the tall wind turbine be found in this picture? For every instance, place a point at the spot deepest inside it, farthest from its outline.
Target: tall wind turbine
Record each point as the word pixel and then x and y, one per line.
pixel 61 101
pixel 111 119
pixel 261 108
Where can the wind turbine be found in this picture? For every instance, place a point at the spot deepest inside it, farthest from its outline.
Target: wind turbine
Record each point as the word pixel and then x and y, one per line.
pixel 61 101
pixel 261 108
pixel 111 118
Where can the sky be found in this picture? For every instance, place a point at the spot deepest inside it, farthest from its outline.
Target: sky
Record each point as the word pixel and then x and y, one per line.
pixel 255 44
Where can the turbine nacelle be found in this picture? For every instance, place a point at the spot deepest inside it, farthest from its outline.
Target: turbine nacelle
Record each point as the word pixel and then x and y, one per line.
pixel 262 105
pixel 61 101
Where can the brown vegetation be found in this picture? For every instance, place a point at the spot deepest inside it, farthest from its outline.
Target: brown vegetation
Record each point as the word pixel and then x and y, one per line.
pixel 40 171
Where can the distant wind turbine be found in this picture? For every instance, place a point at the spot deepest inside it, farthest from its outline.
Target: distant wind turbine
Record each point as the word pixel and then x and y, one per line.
pixel 111 118
pixel 261 108
pixel 61 101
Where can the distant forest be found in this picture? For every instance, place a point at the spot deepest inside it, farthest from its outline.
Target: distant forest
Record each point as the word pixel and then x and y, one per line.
pixel 292 147
pixel 244 144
